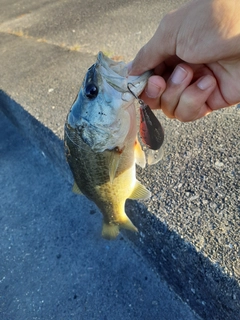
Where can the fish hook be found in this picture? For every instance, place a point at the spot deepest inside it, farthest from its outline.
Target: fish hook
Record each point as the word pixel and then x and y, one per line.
pixel 140 101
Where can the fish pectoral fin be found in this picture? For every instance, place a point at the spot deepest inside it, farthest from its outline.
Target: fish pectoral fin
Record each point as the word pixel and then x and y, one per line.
pixel 110 230
pixel 113 164
pixel 140 192
pixel 139 154
pixel 76 189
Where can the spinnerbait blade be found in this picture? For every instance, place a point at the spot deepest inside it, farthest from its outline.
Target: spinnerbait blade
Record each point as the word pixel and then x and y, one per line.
pixel 151 130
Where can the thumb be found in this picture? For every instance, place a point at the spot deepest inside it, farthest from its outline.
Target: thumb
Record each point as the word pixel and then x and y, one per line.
pixel 150 55
pixel 160 47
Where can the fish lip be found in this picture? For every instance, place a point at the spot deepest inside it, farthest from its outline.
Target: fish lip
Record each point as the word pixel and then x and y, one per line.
pixel 116 75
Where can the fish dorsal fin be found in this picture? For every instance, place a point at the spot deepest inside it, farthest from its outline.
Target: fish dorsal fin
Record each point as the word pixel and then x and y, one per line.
pixel 140 192
pixel 76 189
pixel 139 154
pixel 113 164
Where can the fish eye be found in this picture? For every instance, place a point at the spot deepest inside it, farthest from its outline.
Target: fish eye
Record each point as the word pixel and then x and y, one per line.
pixel 91 91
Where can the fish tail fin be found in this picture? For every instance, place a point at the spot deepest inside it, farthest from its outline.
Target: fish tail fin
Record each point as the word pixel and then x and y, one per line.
pixel 111 230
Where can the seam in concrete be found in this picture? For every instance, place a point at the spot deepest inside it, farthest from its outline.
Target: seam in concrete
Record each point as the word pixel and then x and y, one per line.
pixel 76 47
pixel 20 33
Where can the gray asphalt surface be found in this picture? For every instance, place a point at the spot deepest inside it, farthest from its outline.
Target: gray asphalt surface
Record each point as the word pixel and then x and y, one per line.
pixel 53 262
pixel 189 229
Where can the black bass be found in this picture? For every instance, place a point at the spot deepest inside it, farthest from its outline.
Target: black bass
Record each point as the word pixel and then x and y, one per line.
pixel 101 142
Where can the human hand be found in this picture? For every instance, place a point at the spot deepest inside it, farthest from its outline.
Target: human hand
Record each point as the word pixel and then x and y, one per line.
pixel 195 54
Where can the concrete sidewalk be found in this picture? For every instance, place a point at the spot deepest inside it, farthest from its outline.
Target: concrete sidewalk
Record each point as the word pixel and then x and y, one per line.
pixel 189 229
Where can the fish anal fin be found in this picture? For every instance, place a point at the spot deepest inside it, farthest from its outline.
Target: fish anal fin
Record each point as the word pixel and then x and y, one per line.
pixel 139 154
pixel 127 224
pixel 140 192
pixel 76 189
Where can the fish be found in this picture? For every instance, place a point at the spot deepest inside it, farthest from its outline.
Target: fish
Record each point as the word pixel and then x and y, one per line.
pixel 101 143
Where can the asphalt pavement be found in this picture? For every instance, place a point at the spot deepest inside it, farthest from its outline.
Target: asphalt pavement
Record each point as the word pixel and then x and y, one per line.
pixel 53 262
pixel 189 229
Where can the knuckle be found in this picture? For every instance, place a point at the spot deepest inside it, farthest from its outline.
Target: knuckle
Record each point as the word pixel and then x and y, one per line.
pixel 182 116
pixel 187 100
pixel 167 99
pixel 168 106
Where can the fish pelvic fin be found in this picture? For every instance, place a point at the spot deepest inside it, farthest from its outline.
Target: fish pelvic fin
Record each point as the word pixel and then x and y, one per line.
pixel 113 164
pixel 75 189
pixel 111 230
pixel 140 192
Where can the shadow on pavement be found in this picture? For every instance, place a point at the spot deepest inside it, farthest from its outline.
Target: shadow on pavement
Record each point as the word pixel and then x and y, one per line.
pixel 204 286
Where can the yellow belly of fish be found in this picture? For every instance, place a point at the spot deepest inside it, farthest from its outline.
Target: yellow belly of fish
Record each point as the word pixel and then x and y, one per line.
pixel 107 188
pixel 111 201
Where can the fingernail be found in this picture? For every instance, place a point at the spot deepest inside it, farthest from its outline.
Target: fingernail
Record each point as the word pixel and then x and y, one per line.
pixel 178 75
pixel 204 83
pixel 152 91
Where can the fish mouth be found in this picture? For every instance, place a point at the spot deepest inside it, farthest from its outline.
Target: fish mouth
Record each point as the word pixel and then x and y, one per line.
pixel 115 74
pixel 100 114
pixel 101 71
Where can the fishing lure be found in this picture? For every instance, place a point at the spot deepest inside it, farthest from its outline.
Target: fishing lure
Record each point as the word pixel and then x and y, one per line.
pixel 151 130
